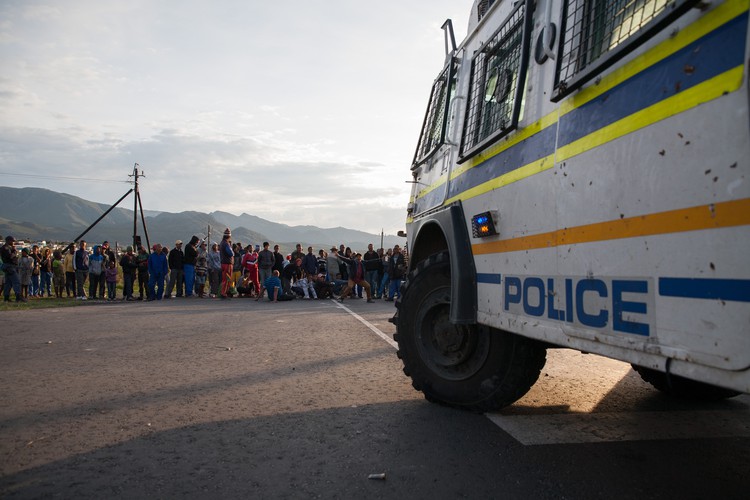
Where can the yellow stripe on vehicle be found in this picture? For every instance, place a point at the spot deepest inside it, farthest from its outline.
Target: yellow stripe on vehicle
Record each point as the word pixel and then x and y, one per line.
pixel 703 217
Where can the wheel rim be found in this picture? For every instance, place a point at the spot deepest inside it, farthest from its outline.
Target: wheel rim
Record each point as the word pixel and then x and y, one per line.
pixel 453 352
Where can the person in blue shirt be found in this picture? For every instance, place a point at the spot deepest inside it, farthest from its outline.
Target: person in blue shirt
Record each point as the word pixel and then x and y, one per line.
pixel 273 285
pixel 157 270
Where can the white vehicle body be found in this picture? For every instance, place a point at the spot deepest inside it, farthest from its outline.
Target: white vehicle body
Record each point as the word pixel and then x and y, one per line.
pixel 615 166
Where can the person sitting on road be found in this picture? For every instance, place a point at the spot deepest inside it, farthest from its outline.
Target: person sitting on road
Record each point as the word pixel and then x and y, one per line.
pixel 307 285
pixel 246 285
pixel 323 287
pixel 273 286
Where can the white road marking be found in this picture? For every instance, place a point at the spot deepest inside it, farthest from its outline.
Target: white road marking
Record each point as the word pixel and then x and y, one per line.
pixel 369 325
pixel 575 428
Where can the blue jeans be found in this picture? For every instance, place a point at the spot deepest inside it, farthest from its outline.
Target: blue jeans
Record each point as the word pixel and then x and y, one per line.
pixel 383 282
pixel 189 273
pixel 46 283
pixel 156 286
pixel 34 288
pixel 395 289
pixel 12 280
pixel 372 278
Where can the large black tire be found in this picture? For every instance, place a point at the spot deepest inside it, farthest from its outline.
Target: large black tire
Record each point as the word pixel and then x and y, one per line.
pixel 682 387
pixel 473 367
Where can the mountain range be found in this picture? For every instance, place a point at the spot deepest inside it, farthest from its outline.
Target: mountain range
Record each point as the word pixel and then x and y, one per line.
pixel 35 214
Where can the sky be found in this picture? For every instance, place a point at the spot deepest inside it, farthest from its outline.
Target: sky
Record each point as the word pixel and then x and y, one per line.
pixel 300 112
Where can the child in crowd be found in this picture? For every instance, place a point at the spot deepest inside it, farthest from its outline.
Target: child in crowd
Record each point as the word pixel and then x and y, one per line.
pixel 111 277
pixel 58 273
pixel 25 268
pixel 201 271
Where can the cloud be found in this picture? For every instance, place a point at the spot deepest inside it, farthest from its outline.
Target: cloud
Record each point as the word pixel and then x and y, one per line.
pixel 305 115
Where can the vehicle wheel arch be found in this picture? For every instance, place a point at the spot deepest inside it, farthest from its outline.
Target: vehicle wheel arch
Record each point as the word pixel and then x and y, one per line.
pixel 445 230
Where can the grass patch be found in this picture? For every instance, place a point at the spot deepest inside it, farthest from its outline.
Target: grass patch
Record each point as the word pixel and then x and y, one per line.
pixel 38 303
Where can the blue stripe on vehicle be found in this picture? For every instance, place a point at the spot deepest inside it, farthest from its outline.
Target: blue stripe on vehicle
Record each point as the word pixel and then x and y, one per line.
pixel 715 53
pixel 491 279
pixel 711 55
pixel 704 288
pixel 527 151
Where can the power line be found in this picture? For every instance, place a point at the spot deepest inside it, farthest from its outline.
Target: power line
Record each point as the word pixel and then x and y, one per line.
pixel 58 177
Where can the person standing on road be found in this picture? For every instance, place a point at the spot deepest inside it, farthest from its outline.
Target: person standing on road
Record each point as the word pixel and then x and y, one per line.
pixel 157 271
pixel 250 265
pixel 129 268
pixel 96 271
pixel 111 277
pixel 372 261
pixel 396 271
pixel 70 271
pixel 356 276
pixel 310 262
pixel 298 253
pixel 266 262
pixel 36 258
pixel 191 258
pixel 214 270
pixel 176 274
pixel 9 257
pixel 278 260
pixel 58 273
pixel 81 263
pixel 45 269
pixel 332 265
pixel 142 261
pixel 386 278
pixel 227 263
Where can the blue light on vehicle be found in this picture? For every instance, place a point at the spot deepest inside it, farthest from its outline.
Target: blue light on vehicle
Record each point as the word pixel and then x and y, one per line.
pixel 482 225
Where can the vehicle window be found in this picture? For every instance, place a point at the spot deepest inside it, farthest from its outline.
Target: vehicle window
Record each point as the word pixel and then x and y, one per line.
pixel 497 76
pixel 596 33
pixel 436 118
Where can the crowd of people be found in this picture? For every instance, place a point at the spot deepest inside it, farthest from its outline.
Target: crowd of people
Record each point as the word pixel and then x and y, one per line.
pixel 225 270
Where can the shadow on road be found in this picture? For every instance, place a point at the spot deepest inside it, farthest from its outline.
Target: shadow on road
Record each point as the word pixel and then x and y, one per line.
pixel 426 451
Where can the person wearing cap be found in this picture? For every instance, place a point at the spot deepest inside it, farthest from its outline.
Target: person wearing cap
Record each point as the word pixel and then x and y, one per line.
pixel 157 272
pixel 332 265
pixel 176 269
pixel 129 267
pixel 9 257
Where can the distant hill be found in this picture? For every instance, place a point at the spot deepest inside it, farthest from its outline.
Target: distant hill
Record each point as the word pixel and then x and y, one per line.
pixel 40 214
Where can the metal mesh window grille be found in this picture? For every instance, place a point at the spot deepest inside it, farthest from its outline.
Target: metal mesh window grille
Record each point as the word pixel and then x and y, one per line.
pixel 495 76
pixel 482 7
pixel 433 128
pixel 595 29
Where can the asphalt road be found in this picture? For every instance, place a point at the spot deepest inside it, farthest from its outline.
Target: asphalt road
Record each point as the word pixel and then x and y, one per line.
pixel 237 399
